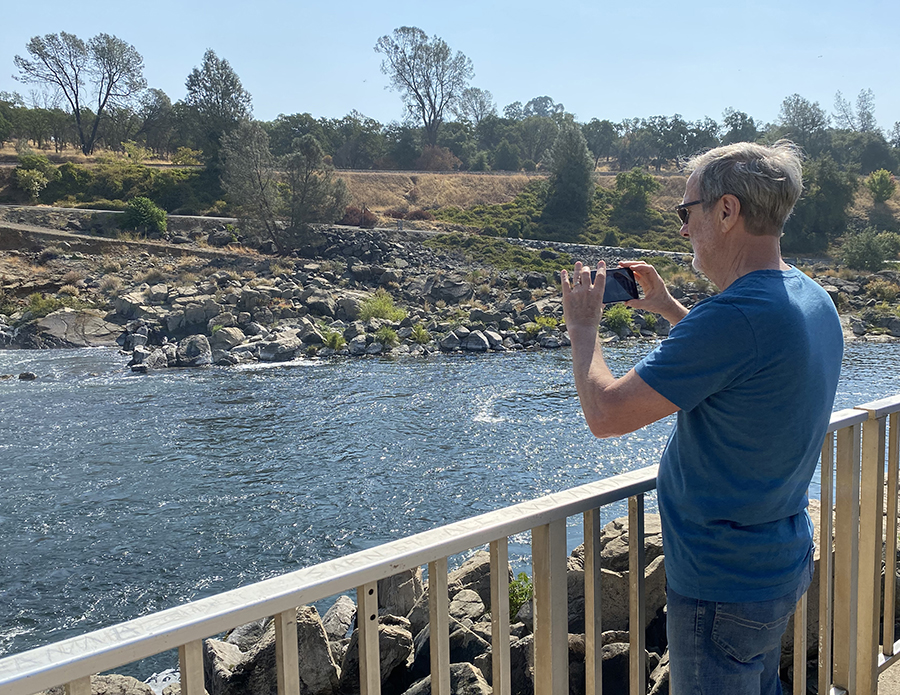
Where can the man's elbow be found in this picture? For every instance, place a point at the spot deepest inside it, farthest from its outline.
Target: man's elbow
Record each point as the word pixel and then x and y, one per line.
pixel 605 427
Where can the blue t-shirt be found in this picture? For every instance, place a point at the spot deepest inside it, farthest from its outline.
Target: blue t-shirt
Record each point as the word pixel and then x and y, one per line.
pixel 754 371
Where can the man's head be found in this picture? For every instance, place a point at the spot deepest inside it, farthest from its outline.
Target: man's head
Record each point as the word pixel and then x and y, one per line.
pixel 767 181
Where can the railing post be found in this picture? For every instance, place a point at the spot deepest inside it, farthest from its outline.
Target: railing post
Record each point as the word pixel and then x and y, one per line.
pixel 287 664
pixel 846 556
pixel 500 665
pixel 637 609
pixel 551 615
pixel 190 660
pixel 890 541
pixel 82 686
pixel 593 624
pixel 870 539
pixel 826 561
pixel 800 620
pixel 439 627
pixel 367 622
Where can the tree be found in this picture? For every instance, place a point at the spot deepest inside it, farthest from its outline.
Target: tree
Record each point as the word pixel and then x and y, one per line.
pixel 514 111
pixel 506 158
pixel 536 135
pixel 250 180
pixel 881 184
pixel 217 102
pixel 474 105
pixel 600 137
pixel 863 120
pixel 310 193
pixel 741 127
pixel 428 74
pixel 820 215
pixel 544 107
pixel 805 122
pixel 571 180
pixel 64 62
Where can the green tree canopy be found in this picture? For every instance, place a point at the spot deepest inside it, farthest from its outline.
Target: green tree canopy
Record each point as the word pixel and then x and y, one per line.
pixel 429 75
pixel 571 180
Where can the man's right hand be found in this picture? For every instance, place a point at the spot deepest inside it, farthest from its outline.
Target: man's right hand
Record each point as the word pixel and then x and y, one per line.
pixel 656 297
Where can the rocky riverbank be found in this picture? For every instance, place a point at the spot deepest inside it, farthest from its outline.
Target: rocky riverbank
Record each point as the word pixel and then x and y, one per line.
pixel 350 293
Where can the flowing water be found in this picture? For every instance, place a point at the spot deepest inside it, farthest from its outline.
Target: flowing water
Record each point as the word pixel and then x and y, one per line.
pixel 121 495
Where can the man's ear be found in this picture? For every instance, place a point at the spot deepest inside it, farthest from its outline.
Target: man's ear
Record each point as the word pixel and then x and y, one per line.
pixel 729 211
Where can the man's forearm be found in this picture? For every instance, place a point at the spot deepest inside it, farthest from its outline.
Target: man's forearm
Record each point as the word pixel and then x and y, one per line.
pixel 592 375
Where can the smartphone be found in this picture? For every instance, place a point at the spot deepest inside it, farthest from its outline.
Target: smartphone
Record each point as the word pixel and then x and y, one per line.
pixel 620 285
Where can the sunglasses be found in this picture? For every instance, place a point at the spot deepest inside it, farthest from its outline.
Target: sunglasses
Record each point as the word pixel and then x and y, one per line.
pixel 683 213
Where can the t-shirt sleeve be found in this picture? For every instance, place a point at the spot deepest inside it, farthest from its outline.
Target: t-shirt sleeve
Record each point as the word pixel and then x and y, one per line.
pixel 709 350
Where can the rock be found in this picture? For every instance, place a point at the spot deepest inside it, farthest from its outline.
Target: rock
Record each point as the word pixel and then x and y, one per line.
pixel 27 376
pixel 451 289
pixel 280 350
pixel 465 679
pixel 79 328
pixel 112 684
pixel 398 594
pixel 465 646
pixel 159 293
pixel 245 636
pixel 220 659
pixel 255 672
pixel 476 341
pixel 449 342
pixel 193 351
pixel 339 618
pixel 226 338
pixel 466 604
pixel 659 677
pixel 395 644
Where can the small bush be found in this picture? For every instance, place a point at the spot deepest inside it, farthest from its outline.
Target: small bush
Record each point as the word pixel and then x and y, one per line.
pixel 546 321
pixel 651 320
pixel 387 336
pixel 419 215
pixel 185 156
pixel 866 250
pixel 110 284
pixel 617 316
pixel 883 290
pixel 358 217
pixel 521 590
pixel 882 185
pixel 420 335
pixel 144 216
pixel 40 305
pixel 381 306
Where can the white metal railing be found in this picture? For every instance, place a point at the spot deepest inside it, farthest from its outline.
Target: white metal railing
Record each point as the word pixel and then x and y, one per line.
pixel 858 443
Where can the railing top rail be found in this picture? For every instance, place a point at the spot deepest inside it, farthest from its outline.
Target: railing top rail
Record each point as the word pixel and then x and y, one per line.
pixel 881 407
pixel 846 418
pixel 108 648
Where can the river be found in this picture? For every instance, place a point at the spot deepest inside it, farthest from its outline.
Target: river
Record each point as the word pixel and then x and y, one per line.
pixel 121 494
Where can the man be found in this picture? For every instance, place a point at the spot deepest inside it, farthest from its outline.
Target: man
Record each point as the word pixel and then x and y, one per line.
pixel 751 373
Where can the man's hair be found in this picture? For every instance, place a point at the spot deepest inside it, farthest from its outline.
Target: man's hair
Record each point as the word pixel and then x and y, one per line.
pixel 766 180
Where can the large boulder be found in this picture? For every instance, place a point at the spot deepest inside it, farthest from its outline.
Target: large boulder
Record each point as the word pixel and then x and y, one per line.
pixel 451 289
pixel 193 351
pixel 112 684
pixel 395 649
pixel 465 679
pixel 398 594
pixel 338 619
pixel 226 338
pixel 228 671
pixel 79 328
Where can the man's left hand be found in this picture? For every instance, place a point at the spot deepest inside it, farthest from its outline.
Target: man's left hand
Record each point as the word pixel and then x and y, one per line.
pixel 583 299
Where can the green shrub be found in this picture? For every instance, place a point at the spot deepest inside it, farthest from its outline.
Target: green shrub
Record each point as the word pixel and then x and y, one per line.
pixel 40 305
pixel 650 320
pixel 521 590
pixel 387 336
pixel 881 184
pixel 617 316
pixel 546 321
pixel 185 156
pixel 333 339
pixel 144 216
pixel 420 335
pixel 868 250
pixel 381 306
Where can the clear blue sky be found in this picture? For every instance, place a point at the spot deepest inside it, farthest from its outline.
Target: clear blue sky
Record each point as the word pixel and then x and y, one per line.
pixel 600 59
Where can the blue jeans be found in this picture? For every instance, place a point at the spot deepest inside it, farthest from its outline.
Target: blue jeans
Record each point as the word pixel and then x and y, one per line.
pixel 734 648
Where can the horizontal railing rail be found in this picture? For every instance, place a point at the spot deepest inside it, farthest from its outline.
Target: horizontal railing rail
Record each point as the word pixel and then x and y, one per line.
pixel 856 446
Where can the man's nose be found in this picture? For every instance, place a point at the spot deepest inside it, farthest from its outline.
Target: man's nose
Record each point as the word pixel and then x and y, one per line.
pixel 684 231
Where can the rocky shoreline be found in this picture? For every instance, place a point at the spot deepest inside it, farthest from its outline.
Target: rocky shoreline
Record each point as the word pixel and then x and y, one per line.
pixel 353 293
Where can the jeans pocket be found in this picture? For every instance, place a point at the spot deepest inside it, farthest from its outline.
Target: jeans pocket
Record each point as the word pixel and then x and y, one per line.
pixel 746 631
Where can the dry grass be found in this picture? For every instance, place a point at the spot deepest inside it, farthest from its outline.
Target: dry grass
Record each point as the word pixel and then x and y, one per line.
pixel 385 190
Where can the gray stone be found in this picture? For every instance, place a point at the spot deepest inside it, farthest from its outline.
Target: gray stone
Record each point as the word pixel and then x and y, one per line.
pixel 449 342
pixel 227 338
pixel 465 679
pixel 245 636
pixel 476 342
pixel 158 293
pixel 339 618
pixel 398 594
pixel 395 647
pixel 112 684
pixel 193 351
pixel 79 328
pixel 282 349
pixel 466 604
